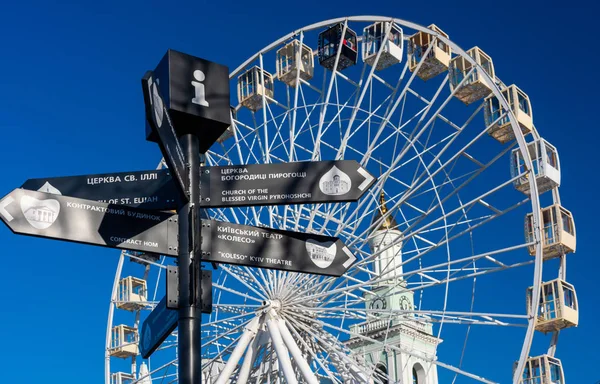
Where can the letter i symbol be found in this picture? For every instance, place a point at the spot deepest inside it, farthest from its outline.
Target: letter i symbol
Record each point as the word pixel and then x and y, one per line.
pixel 200 98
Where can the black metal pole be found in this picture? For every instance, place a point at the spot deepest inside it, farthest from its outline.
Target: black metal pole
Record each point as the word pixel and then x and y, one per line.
pixel 190 316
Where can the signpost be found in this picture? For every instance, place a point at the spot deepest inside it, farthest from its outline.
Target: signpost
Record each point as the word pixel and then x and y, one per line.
pixel 284 183
pixel 197 97
pixel 274 249
pixel 125 210
pixel 160 123
pixel 84 221
pixel 153 190
pixel 158 326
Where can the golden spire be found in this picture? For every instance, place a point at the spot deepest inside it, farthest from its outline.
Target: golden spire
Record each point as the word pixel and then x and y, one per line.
pixel 389 222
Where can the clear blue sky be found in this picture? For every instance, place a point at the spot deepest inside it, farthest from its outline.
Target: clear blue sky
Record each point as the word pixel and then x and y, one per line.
pixel 71 103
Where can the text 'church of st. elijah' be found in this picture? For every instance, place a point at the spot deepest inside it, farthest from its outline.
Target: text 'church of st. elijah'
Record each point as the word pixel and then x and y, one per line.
pixel 412 343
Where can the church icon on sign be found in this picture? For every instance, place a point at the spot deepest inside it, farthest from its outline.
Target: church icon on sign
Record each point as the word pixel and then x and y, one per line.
pixel 335 182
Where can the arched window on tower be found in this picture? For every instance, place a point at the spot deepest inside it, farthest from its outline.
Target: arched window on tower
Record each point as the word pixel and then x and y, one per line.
pixel 418 374
pixel 381 373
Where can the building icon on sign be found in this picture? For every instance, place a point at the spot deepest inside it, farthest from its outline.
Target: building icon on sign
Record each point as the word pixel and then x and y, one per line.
pixel 40 214
pixel 335 182
pixel 322 254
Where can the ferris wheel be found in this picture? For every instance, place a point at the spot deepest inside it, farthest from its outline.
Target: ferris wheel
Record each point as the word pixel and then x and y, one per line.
pixel 444 262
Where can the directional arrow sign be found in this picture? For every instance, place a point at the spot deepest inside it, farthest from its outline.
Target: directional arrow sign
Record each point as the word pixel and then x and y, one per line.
pixel 85 221
pixel 157 327
pixel 275 249
pixel 284 183
pixel 153 190
pixel 160 122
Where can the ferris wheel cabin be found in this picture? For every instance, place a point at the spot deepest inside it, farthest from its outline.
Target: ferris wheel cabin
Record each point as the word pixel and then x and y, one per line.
pixel 373 39
pixel 543 369
pixel 474 85
pixel 292 58
pixel 132 294
pixel 558 307
pixel 432 61
pixel 558 232
pixel 329 43
pixel 124 343
pixel 254 85
pixel 546 167
pixel 496 118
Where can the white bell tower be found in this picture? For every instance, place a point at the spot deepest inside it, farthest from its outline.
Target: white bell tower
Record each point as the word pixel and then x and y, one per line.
pixel 401 329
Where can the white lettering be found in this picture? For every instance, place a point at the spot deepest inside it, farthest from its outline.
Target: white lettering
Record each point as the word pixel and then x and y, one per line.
pixel 149 176
pixel 148 199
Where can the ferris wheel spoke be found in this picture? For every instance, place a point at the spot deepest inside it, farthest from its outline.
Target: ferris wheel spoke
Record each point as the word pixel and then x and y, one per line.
pixel 251 135
pixel 335 294
pixel 298 86
pixel 271 280
pixel 290 280
pixel 265 152
pixel 489 256
pixel 454 192
pixel 386 318
pixel 213 157
pixel 283 278
pixel 317 150
pixel 466 206
pixel 450 161
pixel 391 111
pixel 461 208
pixel 240 294
pixel 279 128
pixel 300 286
pixel 236 308
pixel 332 348
pixel 370 201
pixel 370 115
pixel 229 319
pixel 440 186
pixel 266 284
pixel 364 86
pixel 310 351
pixel 235 276
pixel 390 313
pixel 474 274
pixel 237 147
pixel 163 367
pixel 468 330
pixel 379 186
pixel 420 128
pixel 427 149
pixel 421 253
pixel 318 139
pixel 305 127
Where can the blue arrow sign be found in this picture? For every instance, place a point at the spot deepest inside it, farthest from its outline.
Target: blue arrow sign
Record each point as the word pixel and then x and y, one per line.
pixel 157 327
